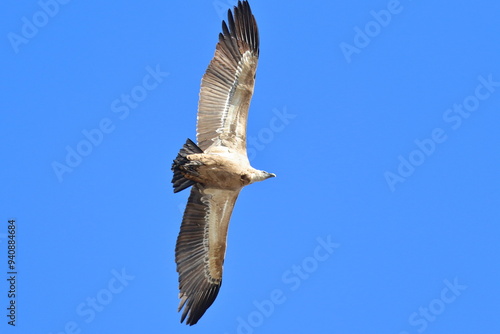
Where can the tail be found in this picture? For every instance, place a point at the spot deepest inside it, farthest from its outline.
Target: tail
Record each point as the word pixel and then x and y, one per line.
pixel 179 181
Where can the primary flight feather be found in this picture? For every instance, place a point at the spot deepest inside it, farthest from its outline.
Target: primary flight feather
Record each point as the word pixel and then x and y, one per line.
pixel 218 167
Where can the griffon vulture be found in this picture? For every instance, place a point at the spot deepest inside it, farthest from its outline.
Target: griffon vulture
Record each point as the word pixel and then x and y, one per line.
pixel 218 167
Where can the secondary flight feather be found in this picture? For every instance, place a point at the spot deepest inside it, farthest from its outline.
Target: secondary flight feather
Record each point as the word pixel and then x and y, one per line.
pixel 217 167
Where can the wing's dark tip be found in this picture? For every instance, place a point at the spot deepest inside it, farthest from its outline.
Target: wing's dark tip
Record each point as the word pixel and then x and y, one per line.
pixel 196 305
pixel 242 28
pixel 179 181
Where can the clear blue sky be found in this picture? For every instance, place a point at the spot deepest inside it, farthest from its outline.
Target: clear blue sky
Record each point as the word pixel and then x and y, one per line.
pixel 380 119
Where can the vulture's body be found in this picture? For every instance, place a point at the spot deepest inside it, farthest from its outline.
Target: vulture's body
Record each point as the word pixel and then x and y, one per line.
pixel 218 167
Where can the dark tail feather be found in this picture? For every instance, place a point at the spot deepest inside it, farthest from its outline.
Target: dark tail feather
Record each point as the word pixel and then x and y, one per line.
pixel 179 181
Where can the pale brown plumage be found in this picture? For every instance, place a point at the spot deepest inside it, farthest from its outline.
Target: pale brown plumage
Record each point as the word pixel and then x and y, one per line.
pixel 218 167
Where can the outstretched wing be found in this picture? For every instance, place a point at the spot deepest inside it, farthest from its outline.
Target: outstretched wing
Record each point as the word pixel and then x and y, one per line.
pixel 201 247
pixel 228 83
